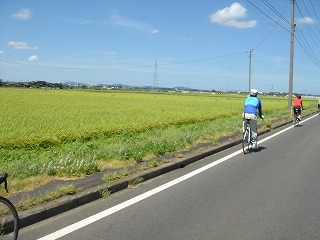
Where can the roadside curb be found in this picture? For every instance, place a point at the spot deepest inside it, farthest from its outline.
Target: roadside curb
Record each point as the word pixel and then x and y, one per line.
pixel 66 203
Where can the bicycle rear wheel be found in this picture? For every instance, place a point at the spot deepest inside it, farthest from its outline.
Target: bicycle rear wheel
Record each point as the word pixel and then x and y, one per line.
pixel 9 220
pixel 245 141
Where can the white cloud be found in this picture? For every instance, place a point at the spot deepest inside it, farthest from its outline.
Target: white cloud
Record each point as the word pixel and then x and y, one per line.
pixel 33 59
pixel 231 16
pixel 306 20
pixel 155 31
pixel 22 14
pixel 21 46
pixel 1 52
pixel 119 20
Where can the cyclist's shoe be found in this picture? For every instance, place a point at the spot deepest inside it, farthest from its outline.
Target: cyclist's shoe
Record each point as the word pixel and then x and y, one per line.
pixel 254 145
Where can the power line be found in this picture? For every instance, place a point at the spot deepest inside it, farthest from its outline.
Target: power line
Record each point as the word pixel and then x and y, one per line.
pixel 309 52
pixel 315 13
pixel 266 15
pixel 203 59
pixel 304 43
pixel 123 68
pixel 308 25
pixel 275 11
pixel 302 40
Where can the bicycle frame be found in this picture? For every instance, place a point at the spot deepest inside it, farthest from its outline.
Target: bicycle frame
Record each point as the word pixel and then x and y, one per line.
pixel 247 137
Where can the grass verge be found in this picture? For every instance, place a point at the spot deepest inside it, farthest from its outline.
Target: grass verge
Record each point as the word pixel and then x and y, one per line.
pixel 120 152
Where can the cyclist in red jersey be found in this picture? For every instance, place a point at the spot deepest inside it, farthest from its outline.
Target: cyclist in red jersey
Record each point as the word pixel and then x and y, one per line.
pixel 298 105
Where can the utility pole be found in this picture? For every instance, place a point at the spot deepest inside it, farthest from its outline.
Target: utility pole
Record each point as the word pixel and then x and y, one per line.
pixel 250 70
pixel 291 57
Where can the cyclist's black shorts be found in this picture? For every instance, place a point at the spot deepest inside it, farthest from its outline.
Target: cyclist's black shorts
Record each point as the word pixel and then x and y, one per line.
pixel 297 109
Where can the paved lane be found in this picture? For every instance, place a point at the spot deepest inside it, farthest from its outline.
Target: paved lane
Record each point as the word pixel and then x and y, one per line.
pixel 270 194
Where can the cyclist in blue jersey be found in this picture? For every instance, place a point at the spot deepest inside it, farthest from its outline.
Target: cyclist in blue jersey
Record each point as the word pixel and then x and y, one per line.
pixel 251 105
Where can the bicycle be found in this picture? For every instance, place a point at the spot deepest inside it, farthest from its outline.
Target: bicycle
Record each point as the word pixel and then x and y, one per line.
pixel 9 219
pixel 247 137
pixel 296 118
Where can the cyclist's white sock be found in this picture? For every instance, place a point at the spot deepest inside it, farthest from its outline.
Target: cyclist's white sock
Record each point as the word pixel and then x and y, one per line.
pixel 254 144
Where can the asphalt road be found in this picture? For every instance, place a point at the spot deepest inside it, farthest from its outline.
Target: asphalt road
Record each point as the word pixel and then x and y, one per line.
pixel 273 193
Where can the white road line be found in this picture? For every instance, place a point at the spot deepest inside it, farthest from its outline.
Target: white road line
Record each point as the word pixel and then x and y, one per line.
pixel 78 225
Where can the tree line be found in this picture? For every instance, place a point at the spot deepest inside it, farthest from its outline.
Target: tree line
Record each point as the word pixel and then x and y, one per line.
pixel 38 84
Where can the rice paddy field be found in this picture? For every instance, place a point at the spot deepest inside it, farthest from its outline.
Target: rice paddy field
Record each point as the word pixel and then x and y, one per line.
pixel 72 133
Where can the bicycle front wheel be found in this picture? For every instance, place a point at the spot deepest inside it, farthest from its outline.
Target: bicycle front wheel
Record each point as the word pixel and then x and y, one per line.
pixel 9 220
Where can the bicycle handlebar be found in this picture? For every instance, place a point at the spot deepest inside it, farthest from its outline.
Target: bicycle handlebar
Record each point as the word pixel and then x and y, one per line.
pixel 3 179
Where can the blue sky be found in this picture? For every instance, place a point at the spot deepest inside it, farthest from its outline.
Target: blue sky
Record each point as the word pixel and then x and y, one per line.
pixel 201 44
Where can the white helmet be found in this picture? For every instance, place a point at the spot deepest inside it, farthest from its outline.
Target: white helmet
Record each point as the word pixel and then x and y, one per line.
pixel 253 92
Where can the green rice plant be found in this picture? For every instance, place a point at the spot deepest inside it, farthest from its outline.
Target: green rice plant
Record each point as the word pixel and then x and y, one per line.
pixel 36 118
pixel 68 132
pixel 42 118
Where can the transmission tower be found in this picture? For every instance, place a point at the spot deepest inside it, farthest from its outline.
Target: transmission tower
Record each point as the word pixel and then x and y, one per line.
pixel 155 76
